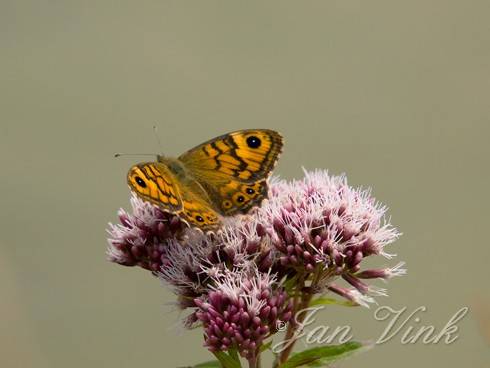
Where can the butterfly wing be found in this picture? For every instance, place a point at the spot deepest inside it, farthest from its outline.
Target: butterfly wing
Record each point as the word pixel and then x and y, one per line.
pixel 154 182
pixel 197 211
pixel 233 168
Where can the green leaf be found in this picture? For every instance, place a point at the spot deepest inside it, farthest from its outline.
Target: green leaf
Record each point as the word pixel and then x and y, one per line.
pixel 234 354
pixel 322 355
pixel 226 360
pixel 210 364
pixel 266 346
pixel 289 284
pixel 332 301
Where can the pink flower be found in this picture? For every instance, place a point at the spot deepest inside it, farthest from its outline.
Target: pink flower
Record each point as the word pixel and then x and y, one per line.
pixel 242 309
pixel 321 224
pixel 139 240
pixel 318 225
pixel 310 237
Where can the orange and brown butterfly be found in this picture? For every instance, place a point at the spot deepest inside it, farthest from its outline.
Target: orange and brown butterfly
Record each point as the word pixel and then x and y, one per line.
pixel 224 176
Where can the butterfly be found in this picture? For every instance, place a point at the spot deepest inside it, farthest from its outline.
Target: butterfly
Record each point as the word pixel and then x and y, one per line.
pixel 222 177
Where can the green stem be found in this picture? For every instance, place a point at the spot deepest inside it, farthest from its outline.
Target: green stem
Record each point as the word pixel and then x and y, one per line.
pixel 294 327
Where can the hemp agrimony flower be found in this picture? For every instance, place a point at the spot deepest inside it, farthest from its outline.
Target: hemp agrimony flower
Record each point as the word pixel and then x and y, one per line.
pixel 140 238
pixel 242 310
pixel 308 239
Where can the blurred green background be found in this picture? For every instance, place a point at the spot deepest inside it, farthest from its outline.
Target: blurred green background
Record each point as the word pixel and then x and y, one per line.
pixel 394 93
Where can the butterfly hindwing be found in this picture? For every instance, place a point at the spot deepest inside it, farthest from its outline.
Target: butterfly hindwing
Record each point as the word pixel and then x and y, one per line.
pixel 236 197
pixel 198 212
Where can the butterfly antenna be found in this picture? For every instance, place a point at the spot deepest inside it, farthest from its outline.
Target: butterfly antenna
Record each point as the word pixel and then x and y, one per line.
pixel 155 131
pixel 134 154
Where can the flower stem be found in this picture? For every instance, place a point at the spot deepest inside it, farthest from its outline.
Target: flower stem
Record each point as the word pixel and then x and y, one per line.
pixel 254 362
pixel 295 326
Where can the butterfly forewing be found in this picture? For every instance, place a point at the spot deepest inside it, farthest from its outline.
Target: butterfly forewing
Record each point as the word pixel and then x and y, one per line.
pixel 154 182
pixel 245 155
pixel 233 168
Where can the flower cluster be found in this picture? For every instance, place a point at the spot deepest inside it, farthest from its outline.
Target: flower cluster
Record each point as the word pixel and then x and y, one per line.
pixel 242 310
pixel 310 235
pixel 139 239
pixel 322 225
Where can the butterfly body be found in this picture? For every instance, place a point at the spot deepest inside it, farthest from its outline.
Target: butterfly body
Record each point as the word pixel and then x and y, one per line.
pixel 222 177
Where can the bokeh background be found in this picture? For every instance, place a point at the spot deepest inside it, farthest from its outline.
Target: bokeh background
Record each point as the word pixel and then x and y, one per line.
pixel 393 93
